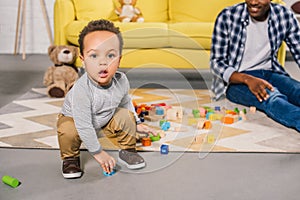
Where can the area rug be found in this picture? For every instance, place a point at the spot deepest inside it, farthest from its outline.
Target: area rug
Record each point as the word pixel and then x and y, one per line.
pixel 30 122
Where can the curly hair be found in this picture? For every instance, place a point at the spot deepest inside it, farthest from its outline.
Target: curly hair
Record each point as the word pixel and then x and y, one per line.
pixel 99 25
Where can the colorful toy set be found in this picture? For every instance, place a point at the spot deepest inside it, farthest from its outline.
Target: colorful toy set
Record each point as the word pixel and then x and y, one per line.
pixel 156 112
pixel 200 118
pixel 204 115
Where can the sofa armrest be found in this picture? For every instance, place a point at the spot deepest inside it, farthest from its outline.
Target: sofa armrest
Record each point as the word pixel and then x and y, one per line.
pixel 64 13
pixel 282 54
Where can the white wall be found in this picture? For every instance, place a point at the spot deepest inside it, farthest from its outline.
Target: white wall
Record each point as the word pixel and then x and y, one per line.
pixel 36 33
pixel 37 40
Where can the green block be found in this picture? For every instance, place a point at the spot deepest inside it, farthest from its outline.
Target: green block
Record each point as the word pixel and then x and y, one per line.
pixel 154 138
pixel 13 182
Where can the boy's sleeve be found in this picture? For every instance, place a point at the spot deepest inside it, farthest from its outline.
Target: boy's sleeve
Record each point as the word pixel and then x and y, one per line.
pixel 127 101
pixel 81 107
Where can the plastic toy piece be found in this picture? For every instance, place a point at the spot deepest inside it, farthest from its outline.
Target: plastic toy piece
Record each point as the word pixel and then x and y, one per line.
pixel 217 108
pixel 164 149
pixel 210 138
pixel 13 182
pixel 109 174
pixel 198 139
pixel 202 112
pixel 252 109
pixel 159 111
pixel 204 124
pixel 215 116
pixel 161 122
pixel 154 138
pixel 192 121
pixel 207 125
pixel 146 142
pixel 236 110
pixel 243 115
pixel 230 119
pixel 172 114
pixel 165 126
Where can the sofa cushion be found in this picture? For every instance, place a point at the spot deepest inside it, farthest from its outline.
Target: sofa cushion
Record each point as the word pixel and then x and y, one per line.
pixel 152 10
pixel 91 10
pixel 197 11
pixel 136 35
pixel 190 35
pixel 144 35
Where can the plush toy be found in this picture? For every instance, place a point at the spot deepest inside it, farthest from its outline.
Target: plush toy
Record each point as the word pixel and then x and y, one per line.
pixel 128 12
pixel 60 78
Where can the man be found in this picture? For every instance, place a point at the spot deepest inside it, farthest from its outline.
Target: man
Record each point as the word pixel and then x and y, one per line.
pixel 244 63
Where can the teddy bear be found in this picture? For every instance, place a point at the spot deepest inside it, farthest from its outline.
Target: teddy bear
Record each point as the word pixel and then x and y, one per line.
pixel 128 12
pixel 60 78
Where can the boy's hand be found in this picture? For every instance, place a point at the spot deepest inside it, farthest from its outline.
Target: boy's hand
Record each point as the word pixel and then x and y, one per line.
pixel 142 128
pixel 106 161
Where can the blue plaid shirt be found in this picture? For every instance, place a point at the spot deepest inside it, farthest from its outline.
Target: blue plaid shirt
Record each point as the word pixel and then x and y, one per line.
pixel 229 38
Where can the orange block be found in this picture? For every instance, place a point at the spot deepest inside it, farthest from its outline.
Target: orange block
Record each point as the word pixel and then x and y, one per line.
pixel 227 120
pixel 146 142
pixel 207 125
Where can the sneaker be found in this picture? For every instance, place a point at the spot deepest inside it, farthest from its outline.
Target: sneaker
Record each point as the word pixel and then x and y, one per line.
pixel 71 168
pixel 131 159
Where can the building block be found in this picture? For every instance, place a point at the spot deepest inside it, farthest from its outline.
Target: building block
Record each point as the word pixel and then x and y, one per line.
pixel 242 115
pixel 198 139
pixel 153 118
pixel 252 109
pixel 159 110
pixel 217 108
pixel 171 114
pixel 207 125
pixel 109 174
pixel 202 112
pixel 215 116
pixel 161 122
pixel 11 181
pixel 192 121
pixel 146 141
pixel 210 138
pixel 165 126
pixel 164 149
pixel 230 119
pixel 154 138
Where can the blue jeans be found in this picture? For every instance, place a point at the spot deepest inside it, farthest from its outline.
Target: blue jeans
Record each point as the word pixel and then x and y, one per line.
pixel 283 105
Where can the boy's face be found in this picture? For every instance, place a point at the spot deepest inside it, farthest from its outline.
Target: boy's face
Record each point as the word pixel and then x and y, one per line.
pixel 101 56
pixel 258 9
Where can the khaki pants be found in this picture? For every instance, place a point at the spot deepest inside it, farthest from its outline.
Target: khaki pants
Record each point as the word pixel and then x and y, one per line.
pixel 121 129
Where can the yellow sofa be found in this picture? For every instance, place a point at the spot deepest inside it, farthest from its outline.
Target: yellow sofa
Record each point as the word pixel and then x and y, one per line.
pixel 175 34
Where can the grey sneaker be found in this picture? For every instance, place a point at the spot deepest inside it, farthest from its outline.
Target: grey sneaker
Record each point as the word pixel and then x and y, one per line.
pixel 131 159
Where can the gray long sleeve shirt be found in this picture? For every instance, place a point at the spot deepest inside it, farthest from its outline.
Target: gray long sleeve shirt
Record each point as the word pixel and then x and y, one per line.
pixel 92 106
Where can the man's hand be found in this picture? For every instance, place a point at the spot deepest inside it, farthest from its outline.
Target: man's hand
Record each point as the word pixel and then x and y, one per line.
pixel 259 87
pixel 256 85
pixel 142 128
pixel 106 161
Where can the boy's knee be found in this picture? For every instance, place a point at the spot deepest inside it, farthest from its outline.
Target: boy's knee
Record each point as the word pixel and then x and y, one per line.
pixel 124 115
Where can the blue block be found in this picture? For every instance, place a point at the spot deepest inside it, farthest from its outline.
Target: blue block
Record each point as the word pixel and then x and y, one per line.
pixel 165 126
pixel 159 111
pixel 164 149
pixel 109 174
